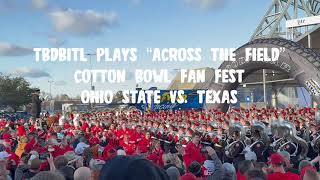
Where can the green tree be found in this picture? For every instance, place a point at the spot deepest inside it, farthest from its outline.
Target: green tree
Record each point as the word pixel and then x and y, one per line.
pixel 14 91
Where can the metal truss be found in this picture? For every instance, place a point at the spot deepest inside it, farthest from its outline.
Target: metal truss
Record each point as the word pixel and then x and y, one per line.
pixel 273 24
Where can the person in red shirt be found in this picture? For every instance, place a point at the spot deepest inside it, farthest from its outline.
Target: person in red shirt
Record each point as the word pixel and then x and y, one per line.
pixel 129 148
pixel 193 150
pixel 66 146
pixel 32 145
pixel 67 125
pixel 277 162
pixel 123 131
pixel 145 143
pixel 305 169
pixel 88 133
pixel 310 175
pixel 6 134
pixel 21 131
pixel 113 128
pixel 138 135
pixel 155 154
pixel 108 152
pixel 84 126
pixel 243 168
pixel 94 140
pixel 98 129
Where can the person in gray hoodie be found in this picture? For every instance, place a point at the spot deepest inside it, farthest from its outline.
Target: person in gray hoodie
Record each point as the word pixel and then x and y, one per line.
pixel 224 171
pixel 216 163
pixel 229 172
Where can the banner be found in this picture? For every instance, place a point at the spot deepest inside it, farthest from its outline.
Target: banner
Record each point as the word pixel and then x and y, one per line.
pixel 165 104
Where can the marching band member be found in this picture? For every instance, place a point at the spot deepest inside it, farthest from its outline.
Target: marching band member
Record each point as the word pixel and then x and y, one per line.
pixel 129 148
pixel 145 143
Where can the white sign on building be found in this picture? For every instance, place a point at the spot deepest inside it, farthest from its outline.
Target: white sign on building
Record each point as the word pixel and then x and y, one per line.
pixel 303 22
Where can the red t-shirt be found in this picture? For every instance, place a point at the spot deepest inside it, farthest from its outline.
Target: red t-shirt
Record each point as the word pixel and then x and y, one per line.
pixel 21 131
pixel 84 126
pixel 128 148
pixel 144 145
pixel 283 176
pixel 240 176
pixel 156 157
pixel 123 132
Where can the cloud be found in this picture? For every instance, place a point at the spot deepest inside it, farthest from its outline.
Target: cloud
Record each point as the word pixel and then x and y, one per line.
pixel 60 83
pixel 39 4
pixel 136 2
pixel 30 72
pixel 56 42
pixel 7 49
pixel 82 23
pixel 7 4
pixel 205 4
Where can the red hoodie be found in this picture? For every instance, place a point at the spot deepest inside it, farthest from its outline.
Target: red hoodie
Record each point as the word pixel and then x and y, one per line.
pixel 193 153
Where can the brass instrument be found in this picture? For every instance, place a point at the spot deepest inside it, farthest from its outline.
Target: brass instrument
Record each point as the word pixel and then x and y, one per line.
pixel 236 131
pixel 288 131
pixel 263 140
pixel 315 143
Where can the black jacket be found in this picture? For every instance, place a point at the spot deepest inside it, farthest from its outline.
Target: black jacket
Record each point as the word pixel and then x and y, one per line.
pixel 36 106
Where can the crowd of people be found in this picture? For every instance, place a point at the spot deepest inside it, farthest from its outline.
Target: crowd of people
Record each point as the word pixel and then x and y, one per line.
pixel 170 145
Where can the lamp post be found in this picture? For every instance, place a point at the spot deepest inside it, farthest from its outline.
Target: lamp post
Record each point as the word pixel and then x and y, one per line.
pixel 50 82
pixel 91 86
pixel 264 87
pixel 90 55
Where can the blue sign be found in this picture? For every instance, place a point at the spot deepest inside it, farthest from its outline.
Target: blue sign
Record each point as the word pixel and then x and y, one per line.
pixel 190 96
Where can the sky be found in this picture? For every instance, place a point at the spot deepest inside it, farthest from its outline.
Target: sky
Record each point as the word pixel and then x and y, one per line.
pixel 91 24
